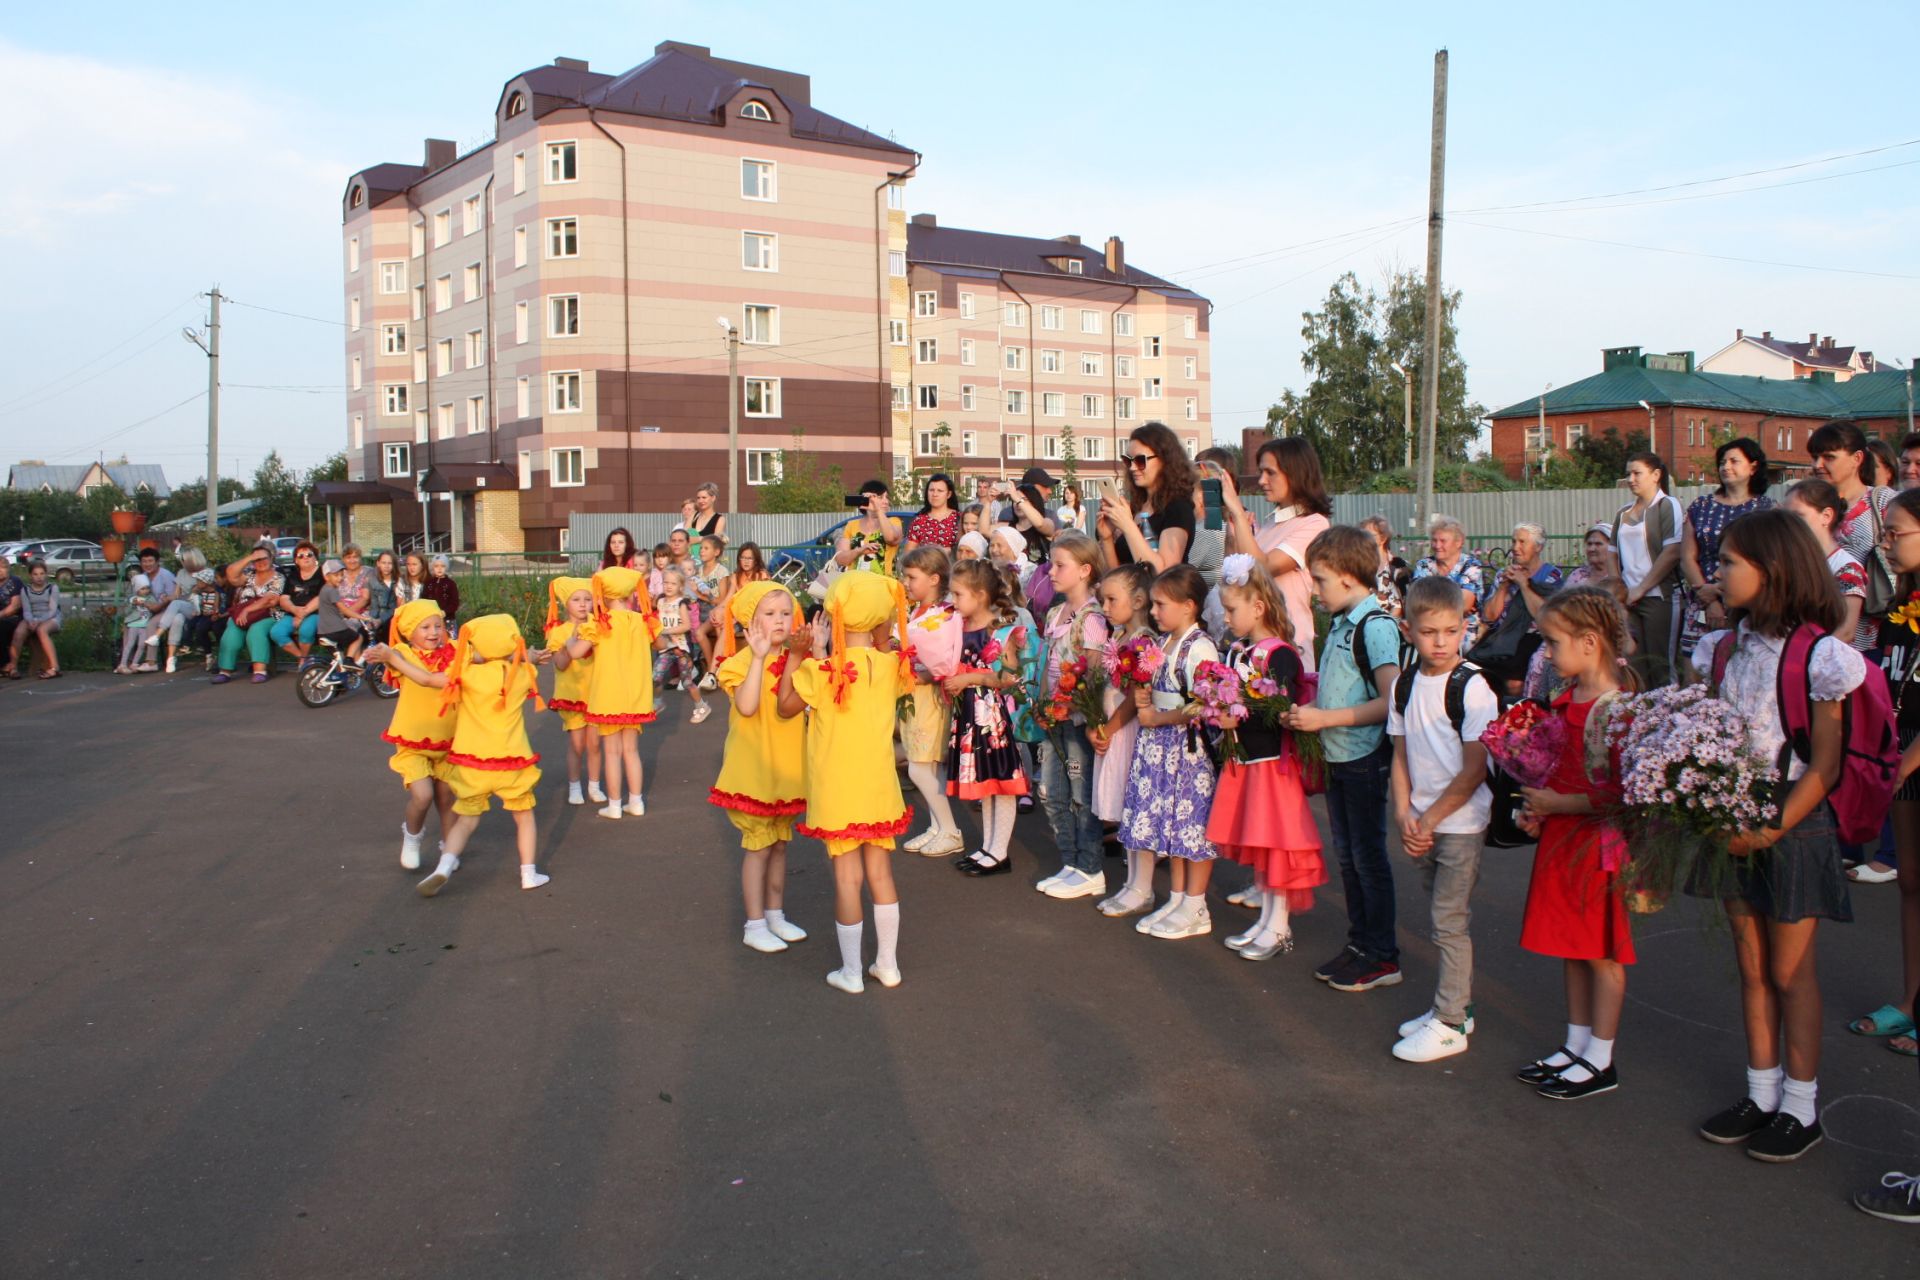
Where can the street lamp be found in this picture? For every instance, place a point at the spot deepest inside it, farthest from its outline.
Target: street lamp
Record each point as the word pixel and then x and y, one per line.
pixel 1408 407
pixel 733 416
pixel 1653 439
pixel 1909 372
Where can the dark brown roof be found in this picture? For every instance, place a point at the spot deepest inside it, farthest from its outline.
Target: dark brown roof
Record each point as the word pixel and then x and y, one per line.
pixel 952 246
pixel 465 477
pixel 347 493
pixel 384 180
pixel 1808 353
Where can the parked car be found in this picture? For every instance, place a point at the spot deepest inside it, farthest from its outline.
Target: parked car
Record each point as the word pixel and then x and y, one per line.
pixel 37 548
pixel 83 562
pixel 283 551
pixel 797 564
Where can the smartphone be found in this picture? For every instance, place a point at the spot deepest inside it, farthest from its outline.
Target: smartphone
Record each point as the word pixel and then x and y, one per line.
pixel 1214 503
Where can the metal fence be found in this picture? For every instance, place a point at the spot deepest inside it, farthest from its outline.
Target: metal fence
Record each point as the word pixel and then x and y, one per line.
pixel 1563 513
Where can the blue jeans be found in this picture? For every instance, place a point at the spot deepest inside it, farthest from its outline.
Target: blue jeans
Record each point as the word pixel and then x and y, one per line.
pixel 1357 812
pixel 283 633
pixel 1066 793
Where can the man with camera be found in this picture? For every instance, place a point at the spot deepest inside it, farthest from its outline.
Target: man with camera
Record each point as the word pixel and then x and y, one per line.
pixel 1026 505
pixel 871 539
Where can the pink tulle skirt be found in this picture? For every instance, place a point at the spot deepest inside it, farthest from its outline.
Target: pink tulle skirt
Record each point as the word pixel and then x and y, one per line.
pixel 1260 819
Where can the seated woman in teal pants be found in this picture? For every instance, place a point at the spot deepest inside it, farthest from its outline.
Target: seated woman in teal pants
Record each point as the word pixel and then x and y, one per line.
pixel 258 586
pixel 297 619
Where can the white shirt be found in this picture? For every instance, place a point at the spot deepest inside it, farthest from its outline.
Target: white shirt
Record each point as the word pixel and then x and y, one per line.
pixel 1636 558
pixel 1834 670
pixel 1434 754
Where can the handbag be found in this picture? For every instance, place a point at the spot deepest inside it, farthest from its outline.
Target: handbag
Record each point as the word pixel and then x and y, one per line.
pixel 248 612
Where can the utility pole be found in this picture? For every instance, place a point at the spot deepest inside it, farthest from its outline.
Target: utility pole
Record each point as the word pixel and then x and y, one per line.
pixel 211 345
pixel 1436 205
pixel 733 419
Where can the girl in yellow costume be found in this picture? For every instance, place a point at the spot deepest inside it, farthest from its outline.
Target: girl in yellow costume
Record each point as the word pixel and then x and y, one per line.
pixel 620 689
pixel 417 655
pixel 853 792
pixel 762 783
pixel 492 681
pixel 570 679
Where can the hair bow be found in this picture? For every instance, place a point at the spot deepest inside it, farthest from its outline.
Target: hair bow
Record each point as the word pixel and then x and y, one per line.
pixel 1235 570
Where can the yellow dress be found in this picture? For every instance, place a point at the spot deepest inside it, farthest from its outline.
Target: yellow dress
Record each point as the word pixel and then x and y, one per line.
pixel 570 686
pixel 491 755
pixel 762 783
pixel 421 735
pixel 853 790
pixel 620 685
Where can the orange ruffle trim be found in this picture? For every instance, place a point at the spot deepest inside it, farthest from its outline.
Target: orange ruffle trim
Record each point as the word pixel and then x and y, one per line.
pixel 498 764
pixel 567 704
pixel 758 808
pixel 981 790
pixel 602 717
pixel 860 830
pixel 416 744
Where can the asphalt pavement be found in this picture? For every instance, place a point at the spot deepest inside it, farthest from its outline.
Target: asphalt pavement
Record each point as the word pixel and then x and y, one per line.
pixel 235 1042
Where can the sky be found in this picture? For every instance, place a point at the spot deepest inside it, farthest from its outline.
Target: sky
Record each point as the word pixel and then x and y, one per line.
pixel 1252 156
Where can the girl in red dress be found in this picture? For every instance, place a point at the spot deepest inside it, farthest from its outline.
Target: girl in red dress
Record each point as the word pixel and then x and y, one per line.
pixel 1260 816
pixel 1575 909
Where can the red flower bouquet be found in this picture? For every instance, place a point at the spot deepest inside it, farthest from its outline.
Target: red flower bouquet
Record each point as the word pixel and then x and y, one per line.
pixel 1526 741
pixel 1132 664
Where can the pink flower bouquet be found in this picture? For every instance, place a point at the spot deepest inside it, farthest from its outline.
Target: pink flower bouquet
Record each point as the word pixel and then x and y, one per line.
pixel 1526 742
pixel 1132 664
pixel 934 640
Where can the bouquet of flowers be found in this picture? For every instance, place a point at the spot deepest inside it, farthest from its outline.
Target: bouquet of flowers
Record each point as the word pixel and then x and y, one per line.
pixel 933 641
pixel 1132 664
pixel 1269 703
pixel 1526 742
pixel 1079 689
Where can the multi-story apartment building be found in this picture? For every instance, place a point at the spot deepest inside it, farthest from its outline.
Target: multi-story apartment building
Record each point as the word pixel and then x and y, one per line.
pixel 1011 341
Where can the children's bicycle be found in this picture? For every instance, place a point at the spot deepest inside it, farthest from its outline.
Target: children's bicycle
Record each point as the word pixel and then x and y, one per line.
pixel 322 682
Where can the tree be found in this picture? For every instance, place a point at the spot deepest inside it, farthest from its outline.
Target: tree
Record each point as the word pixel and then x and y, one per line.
pixel 1069 458
pixel 1354 409
pixel 282 499
pixel 803 486
pixel 190 499
pixel 908 485
pixel 332 469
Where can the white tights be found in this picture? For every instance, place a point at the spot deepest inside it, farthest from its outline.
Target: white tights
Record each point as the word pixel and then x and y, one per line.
pixel 996 817
pixel 932 787
pixel 1273 915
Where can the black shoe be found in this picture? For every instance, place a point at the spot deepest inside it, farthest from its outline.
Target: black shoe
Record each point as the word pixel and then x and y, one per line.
pixel 1784 1139
pixel 1365 975
pixel 1348 954
pixel 983 864
pixel 1561 1089
pixel 1896 1199
pixel 1538 1072
pixel 1737 1123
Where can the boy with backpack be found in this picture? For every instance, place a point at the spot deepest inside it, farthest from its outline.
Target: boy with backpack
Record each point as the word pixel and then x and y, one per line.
pixel 1441 800
pixel 1358 665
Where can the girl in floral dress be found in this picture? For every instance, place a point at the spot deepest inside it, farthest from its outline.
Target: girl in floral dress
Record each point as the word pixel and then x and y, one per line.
pixel 1125 599
pixel 1170 786
pixel 984 762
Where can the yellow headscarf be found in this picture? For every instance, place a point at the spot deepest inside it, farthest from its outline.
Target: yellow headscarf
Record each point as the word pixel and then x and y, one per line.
pixel 408 616
pixel 617 584
pixel 559 591
pixel 745 603
pixel 495 637
pixel 863 601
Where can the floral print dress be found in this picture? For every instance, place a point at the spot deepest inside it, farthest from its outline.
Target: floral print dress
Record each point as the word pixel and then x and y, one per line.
pixel 1171 781
pixel 983 758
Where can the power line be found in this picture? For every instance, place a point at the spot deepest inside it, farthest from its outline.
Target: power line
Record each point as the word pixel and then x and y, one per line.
pixel 1354 253
pixel 1690 253
pixel 165 316
pixel 113 435
pixel 292 315
pixel 1704 195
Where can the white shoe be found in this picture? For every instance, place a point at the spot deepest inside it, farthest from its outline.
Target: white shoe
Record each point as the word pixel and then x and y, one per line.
pixel 172 664
pixel 1431 1041
pixel 530 878
pixel 595 794
pixel 700 713
pixel 613 810
pixel 152 640
pixel 943 845
pixel 1146 922
pixel 410 847
pixel 787 931
pixel 1081 885
pixel 574 794
pixel 847 982
pixel 920 842
pixel 710 681
pixel 1412 1025
pixel 1124 903
pixel 1058 877
pixel 885 977
pixel 762 939
pixel 636 807
pixel 1188 922
pixel 1249 897
pixel 438 880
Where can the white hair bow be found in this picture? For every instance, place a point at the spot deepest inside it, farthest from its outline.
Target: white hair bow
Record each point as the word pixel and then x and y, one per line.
pixel 1236 569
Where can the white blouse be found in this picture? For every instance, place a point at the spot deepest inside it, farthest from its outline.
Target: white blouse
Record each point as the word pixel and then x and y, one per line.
pixel 1834 670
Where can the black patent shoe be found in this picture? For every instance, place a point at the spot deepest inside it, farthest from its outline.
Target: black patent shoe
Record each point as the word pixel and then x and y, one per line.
pixel 1737 1123
pixel 1539 1072
pixel 1561 1089
pixel 984 865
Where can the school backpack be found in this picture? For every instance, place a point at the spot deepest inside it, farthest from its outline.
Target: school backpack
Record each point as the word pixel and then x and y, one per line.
pixel 1457 680
pixel 1870 749
pixel 1503 825
pixel 1363 660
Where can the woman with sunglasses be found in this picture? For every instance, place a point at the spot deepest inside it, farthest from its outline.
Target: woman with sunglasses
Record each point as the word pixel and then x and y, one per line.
pixel 298 618
pixel 1160 484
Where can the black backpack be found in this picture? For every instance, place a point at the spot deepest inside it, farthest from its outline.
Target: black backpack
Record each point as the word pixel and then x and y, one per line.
pixel 1503 825
pixel 1363 661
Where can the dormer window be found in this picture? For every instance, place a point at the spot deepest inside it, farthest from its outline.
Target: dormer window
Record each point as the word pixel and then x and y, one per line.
pixel 357 197
pixel 516 103
pixel 1076 267
pixel 756 110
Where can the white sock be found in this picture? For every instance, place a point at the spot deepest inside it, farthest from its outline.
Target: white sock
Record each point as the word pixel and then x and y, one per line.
pixel 886 929
pixel 999 812
pixel 449 863
pixel 1577 1038
pixel 1797 1099
pixel 756 922
pixel 933 793
pixel 1273 917
pixel 1764 1087
pixel 774 916
pixel 849 935
pixel 595 793
pixel 1599 1052
pixel 530 877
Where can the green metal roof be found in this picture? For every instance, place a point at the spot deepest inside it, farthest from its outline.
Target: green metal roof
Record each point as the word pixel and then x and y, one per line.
pixel 1867 395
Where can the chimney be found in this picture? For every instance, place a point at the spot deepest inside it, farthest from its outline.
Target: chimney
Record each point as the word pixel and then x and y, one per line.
pixel 924 220
pixel 440 153
pixel 681 46
pixel 1766 335
pixel 571 64
pixel 1813 340
pixel 1116 256
pixel 1826 343
pixel 1738 334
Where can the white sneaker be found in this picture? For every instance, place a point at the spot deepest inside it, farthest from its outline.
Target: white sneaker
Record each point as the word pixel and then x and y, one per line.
pixel 574 794
pixel 1058 877
pixel 173 664
pixel 711 681
pixel 530 877
pixel 1188 922
pixel 1431 1041
pixel 1146 922
pixel 636 807
pixel 787 931
pixel 595 794
pixel 1412 1025
pixel 762 939
pixel 700 713
pixel 847 982
pixel 1248 897
pixel 1081 885
pixel 612 810
pixel 885 977
pixel 438 880
pixel 410 847
pixel 153 639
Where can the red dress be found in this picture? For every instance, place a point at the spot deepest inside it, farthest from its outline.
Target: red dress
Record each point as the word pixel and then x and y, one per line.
pixel 1574 905
pixel 1260 817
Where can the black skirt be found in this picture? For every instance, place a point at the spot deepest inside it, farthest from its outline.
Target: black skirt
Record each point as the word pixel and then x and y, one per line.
pixel 1798 879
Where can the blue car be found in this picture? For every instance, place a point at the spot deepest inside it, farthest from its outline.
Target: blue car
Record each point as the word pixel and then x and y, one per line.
pixel 796 565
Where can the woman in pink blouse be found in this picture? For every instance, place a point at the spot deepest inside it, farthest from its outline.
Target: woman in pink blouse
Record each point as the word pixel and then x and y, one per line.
pixel 1290 478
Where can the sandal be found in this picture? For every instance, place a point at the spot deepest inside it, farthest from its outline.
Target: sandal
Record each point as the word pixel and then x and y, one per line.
pixel 1884 1021
pixel 1905 1045
pixel 1871 873
pixel 50 675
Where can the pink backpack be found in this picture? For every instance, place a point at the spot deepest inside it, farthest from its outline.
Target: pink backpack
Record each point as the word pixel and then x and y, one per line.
pixel 1870 751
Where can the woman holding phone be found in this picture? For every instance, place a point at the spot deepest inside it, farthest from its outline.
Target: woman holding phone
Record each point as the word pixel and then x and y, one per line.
pixel 1160 485
pixel 1291 479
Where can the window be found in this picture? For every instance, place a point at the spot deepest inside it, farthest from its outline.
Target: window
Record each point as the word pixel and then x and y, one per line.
pixel 926 304
pixel 563 237
pixel 419 301
pixel 520 321
pixel 1050 446
pixel 471 218
pixel 353 253
pixel 929 396
pixel 443 357
pixel 756 180
pixel 760 324
pixel 966 395
pixel 1123 366
pixel 563 162
pixel 476 348
pixel 563 315
pixel 519 172
pixel 1150 389
pixel 756 110
pixel 1150 347
pixel 442 227
pixel 1576 432
pixel 526 470
pixel 763 397
pixel 1013 315
pixel 1189 327
pixel 1075 267
pixel 1191 409
pixel 396 460
pixel 419 426
pixel 969 444
pixel 417 238
pixel 443 419
pixel 358 198
pixel 359 429
pixel 393 277
pixel 1192 445
pixel 1049 361
pixel 1539 439
pixel 1016 357
pixel 566 468
pixel 1190 368
pixel 759 251
pixel 1089 321
pixel 353 313
pixel 1095 447
pixel 1123 324
pixel 516 103
pixel 1053 404
pixel 355 377
pixel 420 365
pixel 1090 406
pixel 523 397
pixel 394 400
pixel 902 397
pixel 519 246
pixel 1091 365
pixel 923 443
pixel 763 466
pixel 897 332
pixel 1016 444
pixel 443 293
pixel 563 392
pixel 966 351
pixel 897 263
pixel 1016 401
pixel 393 339
pixel 927 351
pixel 1050 317
pixel 896 195
pixel 470 282
pixel 1123 408
pixel 966 306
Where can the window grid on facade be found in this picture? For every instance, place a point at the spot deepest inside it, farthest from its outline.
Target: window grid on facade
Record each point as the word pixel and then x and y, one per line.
pixel 476 348
pixel 757 180
pixel 763 466
pixel 1091 364
pixel 1016 401
pixel 1090 406
pixel 896 263
pixel 1050 317
pixel 762 397
pixel 567 467
pixel 396 460
pixel 897 332
pixel 926 351
pixel 563 315
pixel 1016 444
pixel 1053 404
pixel 393 277
pixel 563 237
pixel 476 414
pixel 563 392
pixel 966 306
pixel 519 247
pixel 929 396
pixel 1123 324
pixel 966 351
pixel 759 251
pixel 926 304
pixel 760 324
pixel 966 395
pixel 1049 361
pixel 1016 357
pixel 471 216
pixel 563 162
